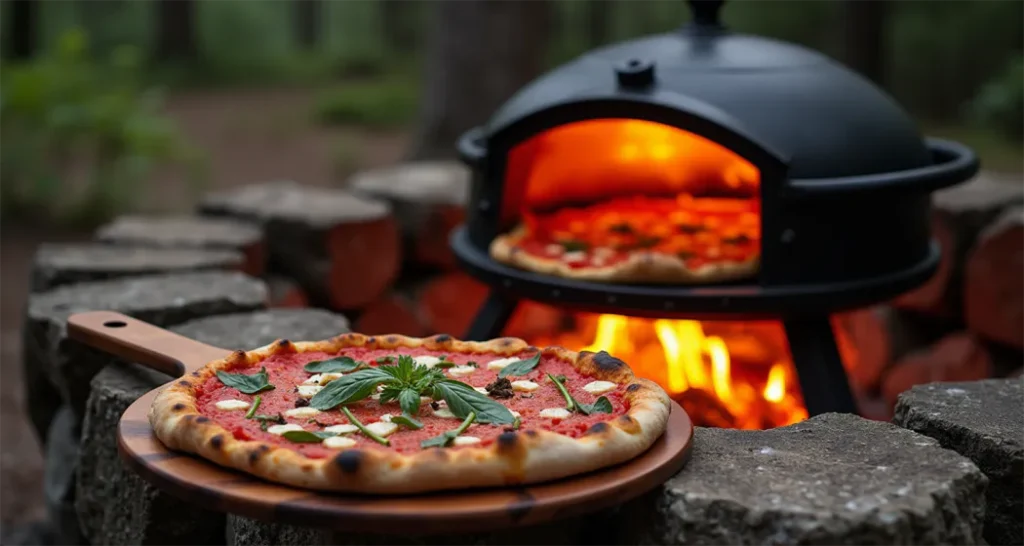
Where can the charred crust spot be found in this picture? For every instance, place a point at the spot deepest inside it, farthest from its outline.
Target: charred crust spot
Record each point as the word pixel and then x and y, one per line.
pixel 633 387
pixel 202 419
pixel 625 420
pixel 393 340
pixel 507 442
pixel 597 428
pixel 178 407
pixel 217 441
pixel 195 374
pixel 506 341
pixel 607 362
pixel 531 433
pixel 306 467
pixel 628 424
pixel 184 383
pixel 238 356
pixel 442 338
pixel 255 454
pixel 371 340
pixel 284 345
pixel 349 461
pixel 533 349
pixel 441 454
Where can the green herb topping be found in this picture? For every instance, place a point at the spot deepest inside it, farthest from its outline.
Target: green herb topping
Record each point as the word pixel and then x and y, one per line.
pixel 522 367
pixel 601 405
pixel 269 419
pixel 255 404
pixel 446 438
pixel 571 245
pixel 307 437
pixel 341 364
pixel 362 428
pixel 248 384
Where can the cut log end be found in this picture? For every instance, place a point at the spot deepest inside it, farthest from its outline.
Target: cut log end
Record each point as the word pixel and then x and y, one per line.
pixel 934 296
pixel 956 357
pixel 364 261
pixel 993 290
pixel 285 293
pixel 392 314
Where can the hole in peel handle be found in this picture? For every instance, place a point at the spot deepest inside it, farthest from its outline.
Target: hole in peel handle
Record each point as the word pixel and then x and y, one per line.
pixel 141 342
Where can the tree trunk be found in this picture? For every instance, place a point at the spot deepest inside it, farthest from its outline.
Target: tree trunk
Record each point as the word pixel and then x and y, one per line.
pixel 400 22
pixel 598 22
pixel 864 37
pixel 22 28
pixel 176 37
pixel 306 14
pixel 479 53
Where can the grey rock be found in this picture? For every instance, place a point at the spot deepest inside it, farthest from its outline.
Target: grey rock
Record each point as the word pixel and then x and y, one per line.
pixel 59 477
pixel 61 264
pixel 984 421
pixel 833 479
pixel 181 232
pixel 163 300
pixel 316 208
pixel 113 504
pixel 251 330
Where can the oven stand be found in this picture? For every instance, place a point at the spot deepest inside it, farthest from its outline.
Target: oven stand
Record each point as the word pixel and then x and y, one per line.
pixel 811 341
pixel 823 381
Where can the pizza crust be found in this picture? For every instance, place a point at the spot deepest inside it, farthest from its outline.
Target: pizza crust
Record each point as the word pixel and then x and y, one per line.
pixel 641 266
pixel 520 457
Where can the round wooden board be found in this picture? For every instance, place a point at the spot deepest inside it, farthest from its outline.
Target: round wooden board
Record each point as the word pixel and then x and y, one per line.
pixel 217 488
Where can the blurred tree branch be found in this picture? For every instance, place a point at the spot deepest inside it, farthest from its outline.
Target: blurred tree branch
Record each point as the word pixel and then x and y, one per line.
pixel 479 53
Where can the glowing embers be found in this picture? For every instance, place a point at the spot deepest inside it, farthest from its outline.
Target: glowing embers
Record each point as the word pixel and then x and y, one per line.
pixel 726 374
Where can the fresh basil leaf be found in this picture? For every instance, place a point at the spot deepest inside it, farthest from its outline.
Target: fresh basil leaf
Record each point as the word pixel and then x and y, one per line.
pixel 342 364
pixel 409 400
pixel 463 400
pixel 445 364
pixel 601 405
pixel 570 404
pixel 472 364
pixel 349 388
pixel 385 360
pixel 390 393
pixel 248 384
pixel 265 420
pixel 407 421
pixel 522 367
pixel 307 437
pixel 446 438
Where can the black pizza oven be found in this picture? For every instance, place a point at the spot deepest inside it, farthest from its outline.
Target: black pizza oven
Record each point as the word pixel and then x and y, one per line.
pixel 842 173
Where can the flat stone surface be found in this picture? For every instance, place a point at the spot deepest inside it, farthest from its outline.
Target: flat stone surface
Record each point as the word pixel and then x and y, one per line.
pixel 833 479
pixel 291 202
pixel 113 504
pixel 163 300
pixel 984 421
pixel 61 264
pixel 180 231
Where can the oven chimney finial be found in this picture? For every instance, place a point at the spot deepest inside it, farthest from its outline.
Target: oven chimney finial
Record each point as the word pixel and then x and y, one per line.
pixel 705 14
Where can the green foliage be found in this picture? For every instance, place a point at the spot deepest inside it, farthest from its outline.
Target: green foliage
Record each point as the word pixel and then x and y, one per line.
pixel 1000 103
pixel 388 102
pixel 80 137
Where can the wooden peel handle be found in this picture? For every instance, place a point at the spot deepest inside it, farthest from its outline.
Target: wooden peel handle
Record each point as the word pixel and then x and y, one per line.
pixel 141 342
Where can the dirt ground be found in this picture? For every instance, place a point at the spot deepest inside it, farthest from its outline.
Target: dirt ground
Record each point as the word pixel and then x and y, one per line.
pixel 248 136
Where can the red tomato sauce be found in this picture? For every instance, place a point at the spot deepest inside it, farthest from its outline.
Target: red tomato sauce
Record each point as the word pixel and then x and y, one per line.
pixel 286 372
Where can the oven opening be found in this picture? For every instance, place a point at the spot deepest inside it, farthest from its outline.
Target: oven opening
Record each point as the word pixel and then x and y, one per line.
pixel 614 187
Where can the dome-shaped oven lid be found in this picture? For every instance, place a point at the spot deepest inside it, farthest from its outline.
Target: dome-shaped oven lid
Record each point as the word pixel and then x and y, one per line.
pixel 822 119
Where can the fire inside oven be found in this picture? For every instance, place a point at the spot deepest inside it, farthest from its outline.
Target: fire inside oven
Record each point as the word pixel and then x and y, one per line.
pixel 596 191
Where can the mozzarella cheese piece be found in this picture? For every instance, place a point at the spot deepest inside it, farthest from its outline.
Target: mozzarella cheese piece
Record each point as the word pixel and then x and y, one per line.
pixel 281 429
pixel 481 390
pixel 444 413
pixel 574 257
pixel 460 371
pixel 514 413
pixel 554 249
pixel 501 363
pixel 386 417
pixel 465 440
pixel 326 378
pixel 524 386
pixel 313 380
pixel 232 405
pixel 382 428
pixel 308 391
pixel 338 442
pixel 426 400
pixel 426 360
pixel 341 429
pixel 599 387
pixel 302 412
pixel 555 413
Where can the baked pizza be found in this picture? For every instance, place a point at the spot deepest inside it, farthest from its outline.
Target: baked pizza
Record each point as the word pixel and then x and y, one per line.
pixel 393 414
pixel 682 239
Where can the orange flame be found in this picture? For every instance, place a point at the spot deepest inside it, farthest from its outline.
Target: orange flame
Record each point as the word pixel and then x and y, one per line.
pixel 679 356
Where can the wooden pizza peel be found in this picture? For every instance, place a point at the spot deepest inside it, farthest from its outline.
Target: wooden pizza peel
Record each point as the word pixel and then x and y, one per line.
pixel 213 487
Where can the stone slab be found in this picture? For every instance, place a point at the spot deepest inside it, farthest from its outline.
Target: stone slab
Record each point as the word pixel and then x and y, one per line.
pixel 833 479
pixel 62 264
pixel 163 300
pixel 113 504
pixel 315 208
pixel 181 232
pixel 984 421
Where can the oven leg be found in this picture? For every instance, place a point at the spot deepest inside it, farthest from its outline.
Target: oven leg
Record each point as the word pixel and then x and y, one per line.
pixel 818 366
pixel 490 320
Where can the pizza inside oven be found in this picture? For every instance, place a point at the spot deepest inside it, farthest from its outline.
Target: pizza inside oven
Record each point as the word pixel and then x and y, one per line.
pixel 393 414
